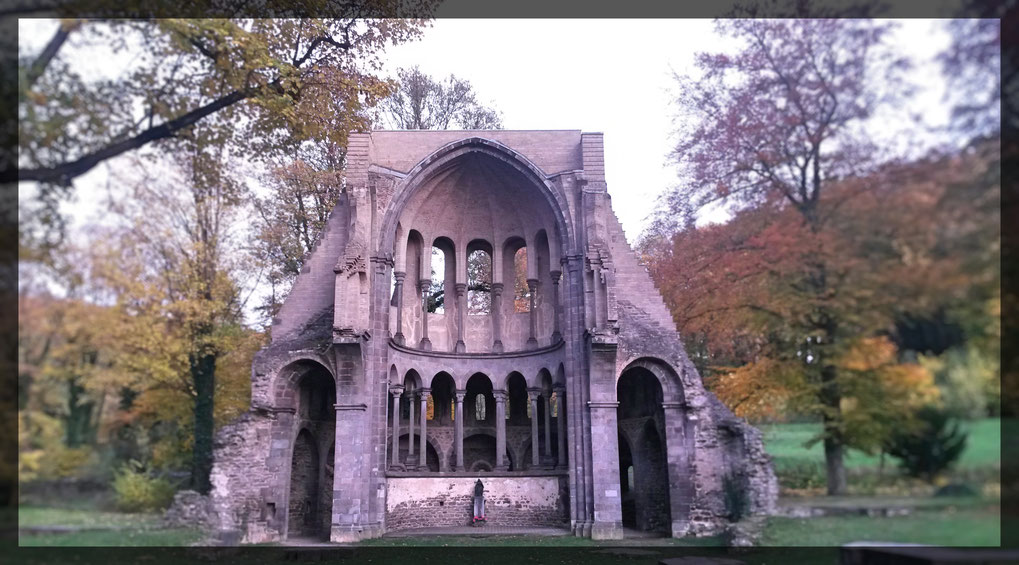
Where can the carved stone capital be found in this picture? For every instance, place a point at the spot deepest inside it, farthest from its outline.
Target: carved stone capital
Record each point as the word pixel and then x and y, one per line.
pixel 556 275
pixel 396 390
pixel 424 284
pixel 497 289
pixel 501 396
pixel 399 276
pixel 460 394
pixel 532 284
pixel 460 288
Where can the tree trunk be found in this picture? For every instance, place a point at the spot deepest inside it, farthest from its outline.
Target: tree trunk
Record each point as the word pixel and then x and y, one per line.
pixel 79 415
pixel 835 466
pixel 203 374
pixel 834 445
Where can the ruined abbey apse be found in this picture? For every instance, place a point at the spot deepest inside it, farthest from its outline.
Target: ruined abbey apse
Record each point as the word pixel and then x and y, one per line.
pixel 472 310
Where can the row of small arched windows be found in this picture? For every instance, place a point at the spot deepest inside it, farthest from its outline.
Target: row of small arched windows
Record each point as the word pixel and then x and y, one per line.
pixel 479 282
pixel 479 408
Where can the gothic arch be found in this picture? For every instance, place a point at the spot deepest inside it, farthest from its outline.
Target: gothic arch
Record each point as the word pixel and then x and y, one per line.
pixel 668 378
pixel 289 376
pixel 438 160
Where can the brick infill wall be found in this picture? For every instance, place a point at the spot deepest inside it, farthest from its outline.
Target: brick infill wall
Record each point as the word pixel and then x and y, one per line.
pixel 421 502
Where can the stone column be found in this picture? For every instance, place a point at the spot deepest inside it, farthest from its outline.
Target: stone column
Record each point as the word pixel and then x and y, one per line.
pixel 398 336
pixel 560 420
pixel 422 462
pixel 411 463
pixel 548 423
pixel 556 335
pixel 497 317
pixel 461 316
pixel 535 447
pixel 532 286
pixel 608 513
pixel 423 286
pixel 500 430
pixel 395 461
pixel 460 429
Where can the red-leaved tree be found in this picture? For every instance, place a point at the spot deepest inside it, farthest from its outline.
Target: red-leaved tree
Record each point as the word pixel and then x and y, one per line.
pixel 771 125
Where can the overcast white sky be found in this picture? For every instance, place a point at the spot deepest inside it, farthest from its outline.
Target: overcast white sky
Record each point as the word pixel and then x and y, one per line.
pixel 612 76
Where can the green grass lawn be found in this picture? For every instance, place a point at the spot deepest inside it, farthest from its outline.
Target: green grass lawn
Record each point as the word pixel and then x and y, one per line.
pixel 47 516
pixel 953 526
pixel 114 538
pixel 99 528
pixel 799 467
pixel 785 443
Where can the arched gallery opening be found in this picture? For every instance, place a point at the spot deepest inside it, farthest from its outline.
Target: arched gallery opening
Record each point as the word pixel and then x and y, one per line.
pixel 311 467
pixel 643 468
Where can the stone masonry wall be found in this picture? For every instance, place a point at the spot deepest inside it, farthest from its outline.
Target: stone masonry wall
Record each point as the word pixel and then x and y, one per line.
pixel 449 501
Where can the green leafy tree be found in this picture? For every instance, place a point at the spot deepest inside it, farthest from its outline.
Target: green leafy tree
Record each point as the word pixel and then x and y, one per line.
pixel 174 268
pixel 261 87
pixel 930 449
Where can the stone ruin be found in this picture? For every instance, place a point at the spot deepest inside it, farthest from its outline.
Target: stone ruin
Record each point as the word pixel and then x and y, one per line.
pixel 472 310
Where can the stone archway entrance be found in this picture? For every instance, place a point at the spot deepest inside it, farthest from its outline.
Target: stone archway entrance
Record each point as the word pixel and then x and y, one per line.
pixel 309 508
pixel 643 467
pixel 303 507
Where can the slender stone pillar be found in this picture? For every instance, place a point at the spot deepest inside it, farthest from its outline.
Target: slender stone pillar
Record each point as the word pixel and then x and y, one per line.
pixel 460 429
pixel 398 336
pixel 560 399
pixel 556 335
pixel 500 430
pixel 423 286
pixel 395 461
pixel 535 447
pixel 596 269
pixel 422 462
pixel 497 317
pixel 411 456
pixel 461 316
pixel 548 423
pixel 532 287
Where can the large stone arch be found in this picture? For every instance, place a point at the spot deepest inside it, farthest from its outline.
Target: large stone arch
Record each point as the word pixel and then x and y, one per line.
pixel 668 377
pixel 286 379
pixel 674 433
pixel 446 155
pixel 307 400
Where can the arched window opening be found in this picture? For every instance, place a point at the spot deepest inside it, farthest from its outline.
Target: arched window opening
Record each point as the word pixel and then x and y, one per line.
pixel 444 395
pixel 479 401
pixel 518 409
pixel 437 289
pixel 521 294
pixel 430 412
pixel 479 283
pixel 479 407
